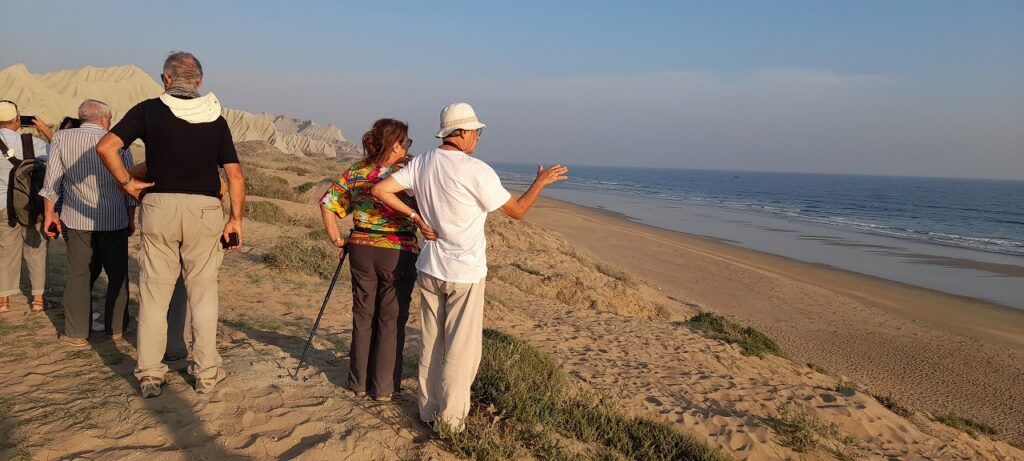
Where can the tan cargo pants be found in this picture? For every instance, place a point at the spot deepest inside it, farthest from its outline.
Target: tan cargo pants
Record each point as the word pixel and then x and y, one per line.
pixel 180 234
pixel 452 334
pixel 17 242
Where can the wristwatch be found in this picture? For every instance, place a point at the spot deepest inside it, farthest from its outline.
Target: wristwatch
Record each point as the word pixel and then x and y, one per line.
pixel 126 181
pixel 413 215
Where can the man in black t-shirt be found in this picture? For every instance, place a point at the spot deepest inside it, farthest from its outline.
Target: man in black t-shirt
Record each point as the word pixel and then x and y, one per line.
pixel 181 218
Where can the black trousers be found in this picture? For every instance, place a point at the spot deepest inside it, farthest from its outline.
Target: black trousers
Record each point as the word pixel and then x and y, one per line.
pixel 89 252
pixel 382 283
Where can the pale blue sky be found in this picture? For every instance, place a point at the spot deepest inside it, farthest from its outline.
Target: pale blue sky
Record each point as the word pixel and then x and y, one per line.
pixel 907 88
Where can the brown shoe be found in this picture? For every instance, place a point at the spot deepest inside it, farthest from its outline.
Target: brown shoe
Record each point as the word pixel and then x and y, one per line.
pixel 74 342
pixel 38 305
pixel 382 398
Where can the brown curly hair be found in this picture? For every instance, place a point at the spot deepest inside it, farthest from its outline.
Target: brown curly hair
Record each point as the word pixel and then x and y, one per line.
pixel 385 133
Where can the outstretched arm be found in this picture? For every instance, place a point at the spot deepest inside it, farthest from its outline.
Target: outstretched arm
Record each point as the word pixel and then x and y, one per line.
pixel 517 208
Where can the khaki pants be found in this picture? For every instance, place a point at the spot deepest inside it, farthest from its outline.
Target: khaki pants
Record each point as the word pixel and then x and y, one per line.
pixel 179 322
pixel 17 242
pixel 180 234
pixel 453 321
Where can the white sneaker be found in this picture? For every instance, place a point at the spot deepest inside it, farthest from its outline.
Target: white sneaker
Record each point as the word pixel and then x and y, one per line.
pixel 97 324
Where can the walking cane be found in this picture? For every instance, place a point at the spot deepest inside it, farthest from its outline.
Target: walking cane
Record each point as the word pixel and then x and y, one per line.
pixel 316 324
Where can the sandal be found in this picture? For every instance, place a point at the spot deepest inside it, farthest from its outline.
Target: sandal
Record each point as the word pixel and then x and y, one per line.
pixel 38 305
pixel 5 306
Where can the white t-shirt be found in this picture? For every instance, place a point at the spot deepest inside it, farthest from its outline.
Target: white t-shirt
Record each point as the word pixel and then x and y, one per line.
pixel 454 191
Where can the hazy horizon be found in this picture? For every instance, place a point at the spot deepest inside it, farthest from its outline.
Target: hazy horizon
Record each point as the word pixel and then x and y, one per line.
pixel 909 89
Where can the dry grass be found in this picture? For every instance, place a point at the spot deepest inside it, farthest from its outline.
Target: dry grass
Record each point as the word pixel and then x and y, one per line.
pixel 970 426
pixel 803 432
pixel 523 402
pixel 890 402
pixel 266 185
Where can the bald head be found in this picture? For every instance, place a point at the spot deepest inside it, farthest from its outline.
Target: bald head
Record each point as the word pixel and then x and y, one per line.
pixel 183 68
pixel 93 111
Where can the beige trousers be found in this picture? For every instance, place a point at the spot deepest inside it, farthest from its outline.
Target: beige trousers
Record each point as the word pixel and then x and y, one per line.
pixel 452 333
pixel 180 234
pixel 17 242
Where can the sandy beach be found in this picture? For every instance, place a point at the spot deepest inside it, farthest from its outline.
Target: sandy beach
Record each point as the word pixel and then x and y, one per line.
pixel 600 294
pixel 935 351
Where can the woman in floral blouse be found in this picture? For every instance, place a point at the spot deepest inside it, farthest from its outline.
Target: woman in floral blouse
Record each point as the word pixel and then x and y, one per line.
pixel 382 254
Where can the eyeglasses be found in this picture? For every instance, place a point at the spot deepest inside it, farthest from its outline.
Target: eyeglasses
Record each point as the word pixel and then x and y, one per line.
pixel 407 143
pixel 479 132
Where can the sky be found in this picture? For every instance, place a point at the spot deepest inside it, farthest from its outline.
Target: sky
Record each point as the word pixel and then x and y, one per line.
pixel 916 88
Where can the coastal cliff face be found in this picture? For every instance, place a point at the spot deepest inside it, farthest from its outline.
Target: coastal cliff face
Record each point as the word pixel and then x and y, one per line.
pixel 55 95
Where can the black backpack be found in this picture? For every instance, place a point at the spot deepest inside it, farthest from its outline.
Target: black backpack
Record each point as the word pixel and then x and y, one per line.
pixel 24 205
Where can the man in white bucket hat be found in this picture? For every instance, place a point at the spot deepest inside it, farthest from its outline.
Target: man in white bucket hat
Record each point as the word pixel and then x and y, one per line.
pixel 455 191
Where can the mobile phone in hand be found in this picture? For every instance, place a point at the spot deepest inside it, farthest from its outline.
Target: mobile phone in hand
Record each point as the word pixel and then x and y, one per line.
pixel 28 120
pixel 53 230
pixel 231 241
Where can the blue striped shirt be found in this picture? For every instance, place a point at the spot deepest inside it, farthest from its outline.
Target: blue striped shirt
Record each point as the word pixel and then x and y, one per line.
pixel 92 200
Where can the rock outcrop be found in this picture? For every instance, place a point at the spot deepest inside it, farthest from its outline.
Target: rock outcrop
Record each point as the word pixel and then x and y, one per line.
pixel 55 95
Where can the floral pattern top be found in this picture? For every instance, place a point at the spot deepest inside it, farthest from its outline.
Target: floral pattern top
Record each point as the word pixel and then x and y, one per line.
pixel 351 195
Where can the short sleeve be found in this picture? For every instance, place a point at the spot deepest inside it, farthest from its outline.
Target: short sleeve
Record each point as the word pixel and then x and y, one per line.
pixel 488 190
pixel 226 153
pixel 338 198
pixel 403 177
pixel 41 149
pixel 132 126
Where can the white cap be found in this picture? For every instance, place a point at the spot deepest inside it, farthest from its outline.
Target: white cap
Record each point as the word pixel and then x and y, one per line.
pixel 458 116
pixel 7 111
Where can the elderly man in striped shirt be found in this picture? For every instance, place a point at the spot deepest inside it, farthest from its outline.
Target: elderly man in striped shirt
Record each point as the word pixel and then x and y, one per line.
pixel 95 218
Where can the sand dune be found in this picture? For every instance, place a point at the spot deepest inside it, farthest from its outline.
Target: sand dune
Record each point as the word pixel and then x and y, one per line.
pixel 611 329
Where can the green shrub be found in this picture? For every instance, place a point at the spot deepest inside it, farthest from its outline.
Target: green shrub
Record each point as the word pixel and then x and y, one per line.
pixel 890 402
pixel 527 269
pixel 751 341
pixel 304 187
pixel 298 169
pixel 846 387
pixel 968 425
pixel 268 212
pixel 265 185
pixel 522 397
pixel 319 259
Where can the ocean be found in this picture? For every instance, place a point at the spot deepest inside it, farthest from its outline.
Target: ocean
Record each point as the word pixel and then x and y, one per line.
pixel 961 236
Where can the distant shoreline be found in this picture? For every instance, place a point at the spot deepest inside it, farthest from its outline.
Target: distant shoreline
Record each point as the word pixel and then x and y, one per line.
pixel 927 234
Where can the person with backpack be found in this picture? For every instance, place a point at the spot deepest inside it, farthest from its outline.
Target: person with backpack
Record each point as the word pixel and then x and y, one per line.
pixel 22 168
pixel 95 220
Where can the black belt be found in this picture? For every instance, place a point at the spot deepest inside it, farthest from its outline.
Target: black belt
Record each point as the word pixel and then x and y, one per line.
pixel 367 230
